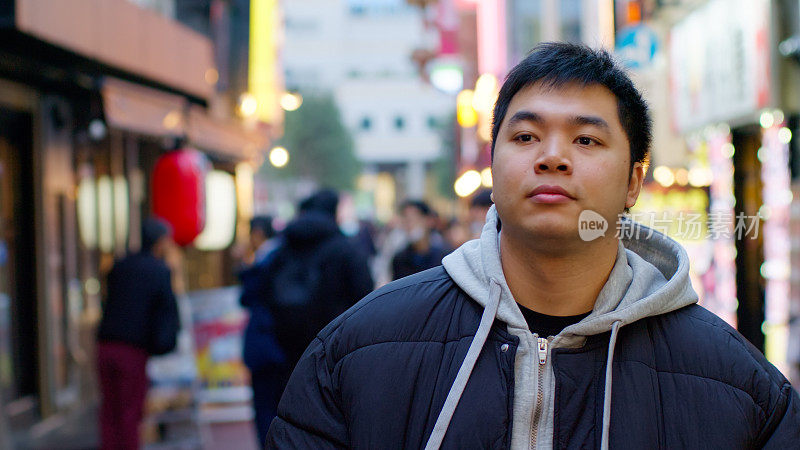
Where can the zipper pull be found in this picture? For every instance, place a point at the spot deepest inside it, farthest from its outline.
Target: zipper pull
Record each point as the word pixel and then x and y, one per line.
pixel 542 350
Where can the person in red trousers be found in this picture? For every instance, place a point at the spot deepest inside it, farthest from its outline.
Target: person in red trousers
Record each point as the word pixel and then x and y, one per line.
pixel 140 318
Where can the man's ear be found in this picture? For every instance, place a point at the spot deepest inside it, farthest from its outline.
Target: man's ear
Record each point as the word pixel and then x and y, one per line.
pixel 634 184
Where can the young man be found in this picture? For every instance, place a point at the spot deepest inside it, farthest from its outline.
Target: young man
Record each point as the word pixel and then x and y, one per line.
pixel 532 337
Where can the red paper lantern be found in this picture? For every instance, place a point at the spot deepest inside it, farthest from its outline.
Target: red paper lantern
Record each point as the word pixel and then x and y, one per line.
pixel 179 192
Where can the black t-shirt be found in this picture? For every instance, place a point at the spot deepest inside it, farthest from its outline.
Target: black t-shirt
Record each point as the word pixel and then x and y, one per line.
pixel 546 326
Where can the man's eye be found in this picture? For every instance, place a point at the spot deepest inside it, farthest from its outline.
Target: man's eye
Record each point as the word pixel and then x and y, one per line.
pixel 524 138
pixel 583 140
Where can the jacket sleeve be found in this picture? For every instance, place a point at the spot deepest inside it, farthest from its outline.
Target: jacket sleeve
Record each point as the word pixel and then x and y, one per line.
pixel 783 426
pixel 309 414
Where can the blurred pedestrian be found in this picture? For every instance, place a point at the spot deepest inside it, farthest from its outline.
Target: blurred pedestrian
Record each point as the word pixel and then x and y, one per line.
pixel 422 251
pixel 262 237
pixel 364 239
pixel 317 273
pixel 261 352
pixel 314 275
pixel 391 239
pixel 456 233
pixel 478 207
pixel 140 318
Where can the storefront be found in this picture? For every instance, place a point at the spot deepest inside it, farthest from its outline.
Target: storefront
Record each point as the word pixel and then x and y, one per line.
pixel 724 101
pixel 19 366
pixel 84 116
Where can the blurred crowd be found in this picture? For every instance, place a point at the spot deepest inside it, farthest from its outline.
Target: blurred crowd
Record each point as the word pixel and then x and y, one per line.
pixel 296 277
pixel 299 278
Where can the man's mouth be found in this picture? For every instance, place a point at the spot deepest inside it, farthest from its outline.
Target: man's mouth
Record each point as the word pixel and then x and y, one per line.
pixel 550 194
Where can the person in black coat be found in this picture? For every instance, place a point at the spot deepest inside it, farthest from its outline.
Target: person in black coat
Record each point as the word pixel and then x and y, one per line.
pixel 140 318
pixel 313 275
pixel 317 273
pixel 260 350
pixel 423 250
pixel 552 330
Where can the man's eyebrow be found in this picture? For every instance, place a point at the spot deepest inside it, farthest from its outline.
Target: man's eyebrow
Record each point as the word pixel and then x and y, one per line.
pixel 525 116
pixel 590 120
pixel 530 116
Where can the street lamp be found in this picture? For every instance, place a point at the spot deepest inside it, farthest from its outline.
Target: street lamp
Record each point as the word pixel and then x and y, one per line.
pixel 465 114
pixel 486 91
pixel 467 183
pixel 290 101
pixel 278 157
pixel 248 105
pixel 486 177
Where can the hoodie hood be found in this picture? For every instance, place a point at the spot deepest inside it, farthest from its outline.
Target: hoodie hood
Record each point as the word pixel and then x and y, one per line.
pixel 650 277
pixel 309 229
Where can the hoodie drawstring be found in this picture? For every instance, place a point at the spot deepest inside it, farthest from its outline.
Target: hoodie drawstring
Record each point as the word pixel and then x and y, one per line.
pixel 607 397
pixel 457 389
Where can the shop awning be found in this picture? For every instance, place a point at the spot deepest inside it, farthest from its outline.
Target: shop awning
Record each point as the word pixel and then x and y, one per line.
pixel 125 36
pixel 151 112
pixel 133 107
pixel 224 138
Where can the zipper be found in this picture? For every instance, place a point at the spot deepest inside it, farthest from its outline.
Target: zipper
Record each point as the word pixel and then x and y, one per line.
pixel 537 410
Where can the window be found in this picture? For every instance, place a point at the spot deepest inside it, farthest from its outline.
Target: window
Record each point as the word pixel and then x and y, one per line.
pixel 358 10
pixel 399 123
pixel 526 27
pixel 366 123
pixel 432 122
pixel 300 25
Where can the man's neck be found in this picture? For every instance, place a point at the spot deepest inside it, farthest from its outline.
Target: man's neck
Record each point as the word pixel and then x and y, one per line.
pixel 556 284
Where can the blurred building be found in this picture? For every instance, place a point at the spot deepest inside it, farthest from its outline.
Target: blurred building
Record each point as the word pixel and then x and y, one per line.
pixel 723 160
pixel 92 94
pixel 722 91
pixel 361 52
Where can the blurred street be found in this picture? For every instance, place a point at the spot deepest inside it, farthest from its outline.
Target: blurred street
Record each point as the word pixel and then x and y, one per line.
pixel 300 149
pixel 79 432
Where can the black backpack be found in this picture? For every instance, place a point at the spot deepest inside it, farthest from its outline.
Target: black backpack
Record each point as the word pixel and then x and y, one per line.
pixel 295 278
pixel 293 297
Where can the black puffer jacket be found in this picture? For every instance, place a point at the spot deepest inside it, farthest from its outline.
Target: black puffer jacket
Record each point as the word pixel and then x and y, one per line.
pixel 377 377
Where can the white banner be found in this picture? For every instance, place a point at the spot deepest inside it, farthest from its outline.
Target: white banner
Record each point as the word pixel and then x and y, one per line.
pixel 720 63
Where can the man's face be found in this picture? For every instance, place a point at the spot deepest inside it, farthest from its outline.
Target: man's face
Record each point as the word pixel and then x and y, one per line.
pixel 560 151
pixel 415 223
pixel 162 247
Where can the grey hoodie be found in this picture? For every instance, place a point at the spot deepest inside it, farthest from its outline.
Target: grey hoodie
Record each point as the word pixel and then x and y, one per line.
pixel 650 277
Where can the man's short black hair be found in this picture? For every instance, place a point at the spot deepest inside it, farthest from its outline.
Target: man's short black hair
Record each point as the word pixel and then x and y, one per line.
pixel 419 205
pixel 263 224
pixel 558 63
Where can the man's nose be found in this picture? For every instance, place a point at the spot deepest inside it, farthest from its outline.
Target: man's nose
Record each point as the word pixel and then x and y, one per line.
pixel 553 158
